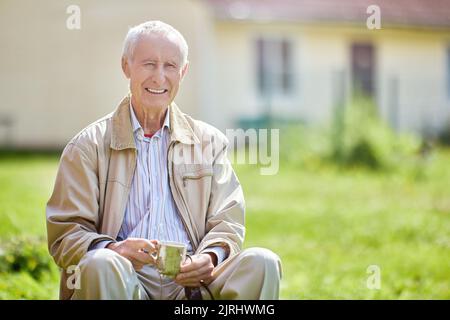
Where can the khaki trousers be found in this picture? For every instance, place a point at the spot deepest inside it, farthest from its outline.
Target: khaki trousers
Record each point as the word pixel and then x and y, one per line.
pixel 253 274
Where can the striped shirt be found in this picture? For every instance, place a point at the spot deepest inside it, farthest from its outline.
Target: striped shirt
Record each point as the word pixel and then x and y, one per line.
pixel 151 212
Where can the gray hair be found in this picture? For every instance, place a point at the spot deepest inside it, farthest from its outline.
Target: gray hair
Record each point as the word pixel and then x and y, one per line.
pixel 153 27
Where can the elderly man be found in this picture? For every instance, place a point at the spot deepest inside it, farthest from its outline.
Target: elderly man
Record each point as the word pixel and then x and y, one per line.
pixel 119 192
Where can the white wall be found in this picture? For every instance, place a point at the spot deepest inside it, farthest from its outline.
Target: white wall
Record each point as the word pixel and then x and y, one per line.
pixel 322 53
pixel 55 81
pixel 418 61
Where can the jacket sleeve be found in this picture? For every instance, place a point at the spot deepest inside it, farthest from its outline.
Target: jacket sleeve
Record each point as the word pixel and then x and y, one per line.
pixel 72 211
pixel 226 211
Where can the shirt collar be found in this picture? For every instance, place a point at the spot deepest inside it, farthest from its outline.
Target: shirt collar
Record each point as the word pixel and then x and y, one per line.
pixel 137 128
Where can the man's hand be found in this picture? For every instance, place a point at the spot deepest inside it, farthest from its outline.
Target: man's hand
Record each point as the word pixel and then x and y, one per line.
pixel 200 268
pixel 138 251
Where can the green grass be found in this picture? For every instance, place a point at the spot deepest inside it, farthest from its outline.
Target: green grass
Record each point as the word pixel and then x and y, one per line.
pixel 26 185
pixel 327 226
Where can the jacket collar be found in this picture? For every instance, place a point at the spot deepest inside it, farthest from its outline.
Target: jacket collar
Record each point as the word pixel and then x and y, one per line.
pixel 122 129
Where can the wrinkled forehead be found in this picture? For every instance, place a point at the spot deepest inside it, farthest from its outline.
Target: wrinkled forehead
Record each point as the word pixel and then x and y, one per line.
pixel 158 45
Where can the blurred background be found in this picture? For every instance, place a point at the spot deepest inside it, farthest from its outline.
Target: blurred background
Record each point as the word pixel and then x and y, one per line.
pixel 363 113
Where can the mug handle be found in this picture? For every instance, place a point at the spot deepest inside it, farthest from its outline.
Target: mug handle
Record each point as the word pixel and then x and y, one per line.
pixel 155 255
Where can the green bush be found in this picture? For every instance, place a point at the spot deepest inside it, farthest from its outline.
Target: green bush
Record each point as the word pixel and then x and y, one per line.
pixel 356 137
pixel 444 135
pixel 28 255
pixel 365 140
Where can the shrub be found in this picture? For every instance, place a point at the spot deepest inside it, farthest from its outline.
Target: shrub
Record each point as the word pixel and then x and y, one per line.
pixel 368 141
pixel 28 255
pixel 357 137
pixel 444 135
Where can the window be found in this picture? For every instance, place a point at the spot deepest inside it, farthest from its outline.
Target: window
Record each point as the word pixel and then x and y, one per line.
pixel 274 67
pixel 363 68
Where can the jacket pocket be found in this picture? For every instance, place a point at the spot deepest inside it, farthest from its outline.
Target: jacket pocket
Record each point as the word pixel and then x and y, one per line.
pixel 196 175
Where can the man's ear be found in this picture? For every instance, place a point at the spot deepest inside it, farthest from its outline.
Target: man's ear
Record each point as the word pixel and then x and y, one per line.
pixel 184 70
pixel 126 67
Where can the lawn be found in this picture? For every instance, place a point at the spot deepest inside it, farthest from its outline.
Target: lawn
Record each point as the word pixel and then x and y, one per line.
pixel 328 226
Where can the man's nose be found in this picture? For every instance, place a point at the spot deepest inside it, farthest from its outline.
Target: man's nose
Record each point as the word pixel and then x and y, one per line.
pixel 158 75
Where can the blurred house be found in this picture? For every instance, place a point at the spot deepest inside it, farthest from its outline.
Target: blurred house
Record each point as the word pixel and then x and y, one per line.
pixel 293 59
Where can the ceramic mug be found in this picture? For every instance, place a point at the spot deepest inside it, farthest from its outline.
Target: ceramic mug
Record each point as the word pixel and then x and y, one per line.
pixel 169 256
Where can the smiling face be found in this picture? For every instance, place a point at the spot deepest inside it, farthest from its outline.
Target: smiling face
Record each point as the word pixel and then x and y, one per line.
pixel 155 71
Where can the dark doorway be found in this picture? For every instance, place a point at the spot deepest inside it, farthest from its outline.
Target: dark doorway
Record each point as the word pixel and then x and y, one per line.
pixel 363 68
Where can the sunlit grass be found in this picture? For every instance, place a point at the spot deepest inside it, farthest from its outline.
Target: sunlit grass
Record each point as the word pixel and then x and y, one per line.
pixel 26 184
pixel 327 226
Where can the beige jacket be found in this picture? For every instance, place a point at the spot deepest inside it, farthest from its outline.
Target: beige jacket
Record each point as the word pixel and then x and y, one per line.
pixel 94 179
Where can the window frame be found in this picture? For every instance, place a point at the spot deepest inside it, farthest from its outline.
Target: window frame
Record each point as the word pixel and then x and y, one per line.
pixel 282 68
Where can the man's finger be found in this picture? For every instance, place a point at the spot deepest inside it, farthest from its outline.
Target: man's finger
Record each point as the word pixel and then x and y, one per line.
pixel 142 257
pixel 148 246
pixel 137 266
pixel 189 275
pixel 195 282
pixel 139 243
pixel 207 279
pixel 198 274
pixel 197 262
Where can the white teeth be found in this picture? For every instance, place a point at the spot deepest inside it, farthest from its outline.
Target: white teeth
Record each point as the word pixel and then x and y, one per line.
pixel 155 90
